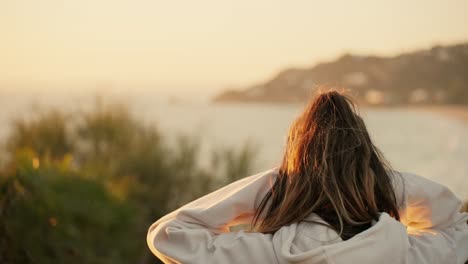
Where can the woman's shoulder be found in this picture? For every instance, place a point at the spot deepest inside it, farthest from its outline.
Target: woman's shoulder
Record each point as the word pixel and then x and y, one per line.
pixel 411 184
pixel 424 203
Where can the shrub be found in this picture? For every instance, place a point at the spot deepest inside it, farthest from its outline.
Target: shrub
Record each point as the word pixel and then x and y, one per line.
pixel 52 215
pixel 84 187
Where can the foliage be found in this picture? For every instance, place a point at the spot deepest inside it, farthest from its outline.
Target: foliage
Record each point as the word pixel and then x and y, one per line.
pixel 53 215
pixel 84 187
pixel 46 134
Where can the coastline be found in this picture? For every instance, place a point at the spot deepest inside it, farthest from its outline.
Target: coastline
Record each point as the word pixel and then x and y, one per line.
pixel 457 112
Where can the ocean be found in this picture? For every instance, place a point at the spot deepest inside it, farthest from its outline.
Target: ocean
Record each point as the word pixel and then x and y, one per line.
pixel 421 142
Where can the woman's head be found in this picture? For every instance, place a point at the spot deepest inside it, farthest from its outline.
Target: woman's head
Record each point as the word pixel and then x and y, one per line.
pixel 330 167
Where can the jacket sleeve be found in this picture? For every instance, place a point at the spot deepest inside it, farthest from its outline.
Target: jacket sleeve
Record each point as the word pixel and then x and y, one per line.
pixel 448 245
pixel 198 231
pixel 436 228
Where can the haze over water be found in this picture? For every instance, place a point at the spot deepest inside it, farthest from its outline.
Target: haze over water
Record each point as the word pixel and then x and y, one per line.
pixel 424 143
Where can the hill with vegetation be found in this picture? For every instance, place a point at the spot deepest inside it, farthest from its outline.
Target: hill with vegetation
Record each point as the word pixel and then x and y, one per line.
pixel 437 76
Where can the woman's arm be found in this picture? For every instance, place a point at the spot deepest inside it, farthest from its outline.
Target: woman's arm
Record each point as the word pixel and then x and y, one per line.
pixel 426 204
pixel 181 242
pixel 198 231
pixel 435 225
pixel 447 245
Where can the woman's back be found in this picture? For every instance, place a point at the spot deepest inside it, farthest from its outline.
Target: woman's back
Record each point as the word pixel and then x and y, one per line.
pixel 432 230
pixel 330 167
pixel 333 199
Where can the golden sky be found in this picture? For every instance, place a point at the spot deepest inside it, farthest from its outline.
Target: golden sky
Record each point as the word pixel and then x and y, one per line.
pixel 207 44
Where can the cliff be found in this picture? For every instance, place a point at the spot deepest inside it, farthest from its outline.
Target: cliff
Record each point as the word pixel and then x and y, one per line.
pixel 438 75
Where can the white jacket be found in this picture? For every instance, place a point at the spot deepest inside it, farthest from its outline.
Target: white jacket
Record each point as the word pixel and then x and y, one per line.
pixel 432 230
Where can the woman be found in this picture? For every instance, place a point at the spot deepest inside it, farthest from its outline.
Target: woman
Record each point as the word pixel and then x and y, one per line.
pixel 334 199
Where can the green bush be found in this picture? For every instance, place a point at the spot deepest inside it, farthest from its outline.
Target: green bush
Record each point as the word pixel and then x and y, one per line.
pixel 84 187
pixel 45 133
pixel 53 215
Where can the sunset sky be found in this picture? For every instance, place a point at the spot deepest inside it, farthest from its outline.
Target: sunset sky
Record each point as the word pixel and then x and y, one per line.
pixel 206 44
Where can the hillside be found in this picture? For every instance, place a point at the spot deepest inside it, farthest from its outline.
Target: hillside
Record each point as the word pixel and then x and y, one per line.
pixel 438 75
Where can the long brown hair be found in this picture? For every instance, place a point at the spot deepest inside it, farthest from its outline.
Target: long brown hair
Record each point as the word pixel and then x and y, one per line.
pixel 331 168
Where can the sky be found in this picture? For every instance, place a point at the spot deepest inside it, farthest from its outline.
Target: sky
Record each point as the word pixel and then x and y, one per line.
pixel 205 45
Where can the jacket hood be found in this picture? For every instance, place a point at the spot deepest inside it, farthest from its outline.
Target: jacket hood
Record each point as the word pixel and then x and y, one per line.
pixel 309 242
